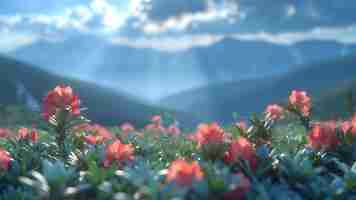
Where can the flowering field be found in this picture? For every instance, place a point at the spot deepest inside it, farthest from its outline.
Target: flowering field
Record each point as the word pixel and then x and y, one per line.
pixel 280 154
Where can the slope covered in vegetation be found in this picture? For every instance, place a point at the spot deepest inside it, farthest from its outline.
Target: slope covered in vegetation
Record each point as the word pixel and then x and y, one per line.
pixel 22 84
pixel 248 96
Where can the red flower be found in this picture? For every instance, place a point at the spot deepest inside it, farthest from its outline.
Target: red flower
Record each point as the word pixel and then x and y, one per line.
pixel 274 111
pixel 155 127
pixel 127 128
pixel 102 132
pixel 346 126
pixel 61 98
pixel 191 136
pixel 99 134
pixel 184 173
pixel 157 119
pixel 323 136
pixel 241 125
pixel 5 133
pixel 301 101
pixel 34 135
pixel 84 127
pixel 209 133
pixel 93 139
pixel 349 126
pixel 173 129
pixel 118 152
pixel 240 190
pixel 5 159
pixel 27 134
pixel 241 149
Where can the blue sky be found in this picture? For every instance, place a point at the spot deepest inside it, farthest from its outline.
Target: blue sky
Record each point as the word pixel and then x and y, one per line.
pixel 174 25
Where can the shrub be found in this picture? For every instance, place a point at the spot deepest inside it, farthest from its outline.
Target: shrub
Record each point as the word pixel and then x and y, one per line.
pixel 262 159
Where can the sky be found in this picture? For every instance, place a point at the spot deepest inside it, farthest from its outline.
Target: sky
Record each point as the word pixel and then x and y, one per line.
pixel 175 25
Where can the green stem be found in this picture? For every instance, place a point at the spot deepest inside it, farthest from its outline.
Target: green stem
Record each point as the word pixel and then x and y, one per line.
pixel 305 122
pixel 61 135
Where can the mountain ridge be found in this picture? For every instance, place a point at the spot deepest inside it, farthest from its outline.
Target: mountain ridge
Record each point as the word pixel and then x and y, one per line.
pixel 105 105
pixel 165 73
pixel 253 95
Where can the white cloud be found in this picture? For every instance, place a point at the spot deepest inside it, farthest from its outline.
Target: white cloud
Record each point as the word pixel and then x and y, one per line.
pixel 10 20
pixel 112 17
pixel 215 11
pixel 169 43
pixel 346 35
pixel 12 40
pixel 99 16
pixel 102 17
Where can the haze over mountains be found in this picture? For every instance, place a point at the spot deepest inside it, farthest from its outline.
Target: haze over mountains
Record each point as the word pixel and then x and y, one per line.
pixel 211 57
pixel 220 101
pixel 26 85
pixel 153 74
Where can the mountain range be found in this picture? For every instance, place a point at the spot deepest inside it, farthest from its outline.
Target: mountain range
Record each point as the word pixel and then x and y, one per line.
pixel 26 85
pixel 154 74
pixel 219 101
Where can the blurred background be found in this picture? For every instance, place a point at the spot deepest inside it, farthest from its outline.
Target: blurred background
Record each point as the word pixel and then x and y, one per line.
pixel 200 60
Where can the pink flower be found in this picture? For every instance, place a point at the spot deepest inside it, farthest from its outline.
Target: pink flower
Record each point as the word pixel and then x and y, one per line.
pixel 323 136
pixel 274 111
pixel 27 134
pixel 118 152
pixel 349 126
pixel 240 190
pixel 102 132
pixel 191 136
pixel 94 139
pixel 5 159
pixel 84 127
pixel 127 128
pixel 346 126
pixel 300 101
pixel 98 133
pixel 184 173
pixel 59 99
pixel 241 125
pixel 173 130
pixel 157 128
pixel 5 133
pixel 241 149
pixel 156 119
pixel 209 133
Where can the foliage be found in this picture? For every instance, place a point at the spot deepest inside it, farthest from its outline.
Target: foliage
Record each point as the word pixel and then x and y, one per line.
pixel 281 154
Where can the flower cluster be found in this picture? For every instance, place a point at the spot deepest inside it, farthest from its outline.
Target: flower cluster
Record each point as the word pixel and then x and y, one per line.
pixel 301 102
pixel 61 98
pixel 184 173
pixel 27 134
pixel 274 111
pixel 127 128
pixel 209 134
pixel 4 133
pixel 157 126
pixel 349 126
pixel 5 159
pixel 78 159
pixel 241 149
pixel 118 152
pixel 323 136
